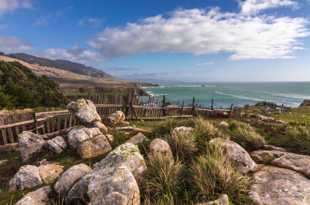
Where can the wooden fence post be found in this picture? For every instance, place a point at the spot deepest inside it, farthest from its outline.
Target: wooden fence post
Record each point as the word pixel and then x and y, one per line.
pixel 194 107
pixel 231 110
pixel 163 106
pixel 35 123
pixel 212 104
pixel 182 108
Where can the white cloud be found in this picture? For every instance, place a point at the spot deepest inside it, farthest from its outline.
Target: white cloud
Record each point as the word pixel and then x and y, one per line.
pixel 90 22
pixel 205 63
pixel 255 6
pixel 206 32
pixel 13 45
pixel 74 54
pixel 11 5
pixel 40 22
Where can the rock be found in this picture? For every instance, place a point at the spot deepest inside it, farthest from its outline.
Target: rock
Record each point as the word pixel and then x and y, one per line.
pixel 38 197
pixel 77 135
pixel 50 172
pixel 223 200
pixel 115 186
pixel 28 176
pixel 30 145
pixel 94 147
pixel 160 149
pixel 240 157
pixel 126 154
pixel 305 103
pixel 277 186
pixel 181 131
pixel 224 125
pixel 117 117
pixel 271 147
pixel 101 127
pixel 57 144
pixel 296 162
pixel 84 110
pixel 137 139
pixel 110 137
pixel 69 177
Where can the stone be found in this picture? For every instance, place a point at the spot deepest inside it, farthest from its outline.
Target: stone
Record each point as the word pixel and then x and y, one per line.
pixel 69 177
pixel 30 145
pixel 224 125
pixel 181 131
pixel 160 149
pixel 101 127
pixel 222 200
pixel 28 176
pixel 94 147
pixel 115 185
pixel 237 154
pixel 84 110
pixel 271 147
pixel 296 162
pixel 278 186
pixel 50 172
pixel 57 144
pixel 126 154
pixel 110 137
pixel 117 117
pixel 38 197
pixel 79 134
pixel 137 139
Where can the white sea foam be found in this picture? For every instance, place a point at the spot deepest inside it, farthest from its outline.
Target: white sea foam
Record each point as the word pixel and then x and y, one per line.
pixel 240 96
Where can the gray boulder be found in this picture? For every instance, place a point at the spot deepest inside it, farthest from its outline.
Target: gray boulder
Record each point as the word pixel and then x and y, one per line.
pixel 38 197
pixel 160 149
pixel 94 147
pixel 57 144
pixel 28 176
pixel 69 177
pixel 79 134
pixel 296 162
pixel 278 186
pixel 30 145
pixel 137 139
pixel 84 110
pixel 117 117
pixel 222 200
pixel 185 131
pixel 239 156
pixel 124 155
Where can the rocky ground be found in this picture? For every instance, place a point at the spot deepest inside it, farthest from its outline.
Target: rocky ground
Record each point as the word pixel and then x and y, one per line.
pixel 262 161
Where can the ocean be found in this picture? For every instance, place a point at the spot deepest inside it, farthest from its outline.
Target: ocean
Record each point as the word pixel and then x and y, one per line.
pixel 224 94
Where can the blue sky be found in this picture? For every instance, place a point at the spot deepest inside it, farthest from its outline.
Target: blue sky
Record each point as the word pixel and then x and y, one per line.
pixel 180 40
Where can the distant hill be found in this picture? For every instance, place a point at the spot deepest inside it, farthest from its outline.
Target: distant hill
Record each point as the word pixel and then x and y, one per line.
pixel 62 64
pixel 20 87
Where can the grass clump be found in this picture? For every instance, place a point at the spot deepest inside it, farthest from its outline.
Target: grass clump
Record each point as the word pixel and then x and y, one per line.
pixel 161 182
pixel 213 174
pixel 245 135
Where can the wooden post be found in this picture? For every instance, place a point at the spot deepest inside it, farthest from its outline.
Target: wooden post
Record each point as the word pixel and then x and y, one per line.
pixel 212 104
pixel 163 106
pixel 182 108
pixel 194 107
pixel 35 123
pixel 231 110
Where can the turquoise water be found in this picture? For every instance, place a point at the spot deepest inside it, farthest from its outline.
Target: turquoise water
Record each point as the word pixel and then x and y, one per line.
pixel 239 94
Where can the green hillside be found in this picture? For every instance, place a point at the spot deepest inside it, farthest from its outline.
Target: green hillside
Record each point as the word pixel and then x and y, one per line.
pixel 19 87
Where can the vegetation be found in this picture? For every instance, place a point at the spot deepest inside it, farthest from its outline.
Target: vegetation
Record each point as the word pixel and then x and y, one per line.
pixel 19 87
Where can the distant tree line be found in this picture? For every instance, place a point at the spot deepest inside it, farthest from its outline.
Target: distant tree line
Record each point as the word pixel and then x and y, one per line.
pixel 20 88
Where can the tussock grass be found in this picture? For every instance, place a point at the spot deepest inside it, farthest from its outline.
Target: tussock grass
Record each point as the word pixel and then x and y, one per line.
pixel 213 174
pixel 245 135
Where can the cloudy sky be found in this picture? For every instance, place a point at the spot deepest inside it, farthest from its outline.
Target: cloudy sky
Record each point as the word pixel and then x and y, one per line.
pixel 181 40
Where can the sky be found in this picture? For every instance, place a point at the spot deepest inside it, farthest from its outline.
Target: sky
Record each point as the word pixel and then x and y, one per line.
pixel 160 40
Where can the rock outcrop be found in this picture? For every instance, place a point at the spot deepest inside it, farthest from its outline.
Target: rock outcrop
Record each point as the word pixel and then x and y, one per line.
pixel 38 197
pixel 296 162
pixel 30 145
pixel 57 144
pixel 277 186
pixel 69 177
pixel 28 176
pixel 239 156
pixel 84 110
pixel 160 149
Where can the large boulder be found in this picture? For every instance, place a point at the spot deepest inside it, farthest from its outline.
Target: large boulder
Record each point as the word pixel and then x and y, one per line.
pixel 94 147
pixel 28 176
pixel 50 172
pixel 117 117
pixel 185 131
pixel 277 186
pixel 126 154
pixel 57 144
pixel 296 162
pixel 222 200
pixel 69 177
pixel 30 145
pixel 38 197
pixel 160 149
pixel 84 110
pixel 239 156
pixel 79 134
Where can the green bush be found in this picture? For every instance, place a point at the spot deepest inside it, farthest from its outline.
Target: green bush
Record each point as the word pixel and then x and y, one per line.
pixel 245 135
pixel 213 174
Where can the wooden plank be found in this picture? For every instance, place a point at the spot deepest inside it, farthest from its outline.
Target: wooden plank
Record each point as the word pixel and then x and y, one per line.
pixel 11 135
pixel 4 136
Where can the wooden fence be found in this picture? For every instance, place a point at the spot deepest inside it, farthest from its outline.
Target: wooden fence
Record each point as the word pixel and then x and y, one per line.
pixel 58 122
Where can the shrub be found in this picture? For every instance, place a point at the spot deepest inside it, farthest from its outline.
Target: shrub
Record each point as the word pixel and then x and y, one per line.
pixel 213 174
pixel 245 135
pixel 161 182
